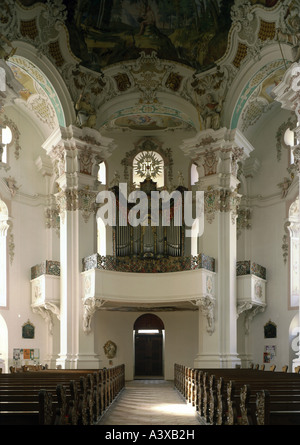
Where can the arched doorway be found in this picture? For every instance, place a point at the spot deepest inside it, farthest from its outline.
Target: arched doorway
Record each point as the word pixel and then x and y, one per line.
pixel 294 341
pixel 3 345
pixel 148 346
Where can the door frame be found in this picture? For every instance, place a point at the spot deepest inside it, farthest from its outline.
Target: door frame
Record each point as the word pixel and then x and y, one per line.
pixel 162 358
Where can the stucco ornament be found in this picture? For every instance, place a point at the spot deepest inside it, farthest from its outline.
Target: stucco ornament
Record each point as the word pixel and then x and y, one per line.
pixel 110 349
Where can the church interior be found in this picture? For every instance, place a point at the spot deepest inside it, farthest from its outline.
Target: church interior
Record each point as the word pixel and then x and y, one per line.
pixel 105 102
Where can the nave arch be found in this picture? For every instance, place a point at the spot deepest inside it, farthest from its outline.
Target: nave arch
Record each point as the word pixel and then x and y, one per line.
pixel 3 345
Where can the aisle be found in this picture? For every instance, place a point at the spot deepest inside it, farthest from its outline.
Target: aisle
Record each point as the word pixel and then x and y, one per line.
pixel 150 402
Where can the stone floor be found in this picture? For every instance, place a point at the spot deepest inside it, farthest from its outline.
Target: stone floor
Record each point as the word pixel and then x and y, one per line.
pixel 150 402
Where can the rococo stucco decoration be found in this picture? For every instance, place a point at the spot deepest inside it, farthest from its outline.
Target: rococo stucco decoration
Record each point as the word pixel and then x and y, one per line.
pixel 90 306
pixel 206 306
pixel 110 349
pixel 88 68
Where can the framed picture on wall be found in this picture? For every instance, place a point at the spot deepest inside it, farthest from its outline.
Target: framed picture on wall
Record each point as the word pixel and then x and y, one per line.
pixel 270 330
pixel 269 353
pixel 28 330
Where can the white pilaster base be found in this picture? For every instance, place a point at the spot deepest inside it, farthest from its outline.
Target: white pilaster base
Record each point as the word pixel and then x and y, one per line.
pixel 295 363
pixel 246 360
pixel 79 361
pixel 87 361
pixel 217 361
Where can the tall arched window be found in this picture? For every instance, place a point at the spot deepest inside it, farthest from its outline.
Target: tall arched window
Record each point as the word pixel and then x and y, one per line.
pixel 3 253
pixel 194 174
pixel 290 141
pixel 148 164
pixel 294 229
pixel 101 237
pixel 102 173
pixel 6 140
pixel 195 238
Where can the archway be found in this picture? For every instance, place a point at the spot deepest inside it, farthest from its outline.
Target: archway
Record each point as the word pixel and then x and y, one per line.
pixel 294 340
pixel 3 345
pixel 148 346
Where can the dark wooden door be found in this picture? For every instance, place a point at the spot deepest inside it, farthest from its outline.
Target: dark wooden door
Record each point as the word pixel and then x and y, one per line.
pixel 148 355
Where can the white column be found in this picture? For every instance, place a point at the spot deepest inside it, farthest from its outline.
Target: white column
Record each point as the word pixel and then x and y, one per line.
pixel 75 155
pixel 287 93
pixel 217 153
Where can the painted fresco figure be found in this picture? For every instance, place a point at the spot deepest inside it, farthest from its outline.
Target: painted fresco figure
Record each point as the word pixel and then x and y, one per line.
pixel 86 114
pixel 211 115
pixel 149 19
pixel 292 37
pixel 4 43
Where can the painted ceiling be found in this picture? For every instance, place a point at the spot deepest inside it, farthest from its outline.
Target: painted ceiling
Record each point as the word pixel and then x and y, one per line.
pixel 191 32
pixel 149 65
pixel 37 96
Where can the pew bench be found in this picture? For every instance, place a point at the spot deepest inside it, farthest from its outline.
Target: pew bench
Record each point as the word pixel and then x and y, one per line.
pixel 241 396
pixel 74 397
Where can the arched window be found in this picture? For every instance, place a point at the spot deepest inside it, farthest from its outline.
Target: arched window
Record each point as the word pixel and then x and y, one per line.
pixel 294 229
pixel 290 141
pixel 101 237
pixel 148 164
pixel 194 174
pixel 6 140
pixel 195 237
pixel 102 173
pixel 3 253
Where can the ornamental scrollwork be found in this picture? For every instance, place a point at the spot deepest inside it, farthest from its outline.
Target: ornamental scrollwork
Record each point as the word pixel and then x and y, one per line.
pixel 207 307
pixel 83 200
pixel 47 311
pixel 222 200
pixel 90 306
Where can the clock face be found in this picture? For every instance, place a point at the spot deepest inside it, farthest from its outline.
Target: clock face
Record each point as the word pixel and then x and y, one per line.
pixel 148 163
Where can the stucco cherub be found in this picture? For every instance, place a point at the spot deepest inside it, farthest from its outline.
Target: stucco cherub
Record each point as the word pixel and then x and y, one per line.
pixel 86 114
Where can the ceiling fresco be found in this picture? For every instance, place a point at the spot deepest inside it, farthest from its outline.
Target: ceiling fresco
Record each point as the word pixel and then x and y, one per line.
pixel 164 65
pixel 149 117
pixel 37 95
pixel 192 32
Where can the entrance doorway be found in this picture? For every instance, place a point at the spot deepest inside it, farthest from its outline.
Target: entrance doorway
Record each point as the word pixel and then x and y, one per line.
pixel 148 346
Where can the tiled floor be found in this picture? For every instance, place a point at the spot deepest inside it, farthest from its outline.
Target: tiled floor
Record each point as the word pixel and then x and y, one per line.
pixel 150 402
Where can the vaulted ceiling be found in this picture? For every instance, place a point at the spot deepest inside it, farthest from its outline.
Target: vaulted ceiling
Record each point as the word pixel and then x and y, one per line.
pixel 150 66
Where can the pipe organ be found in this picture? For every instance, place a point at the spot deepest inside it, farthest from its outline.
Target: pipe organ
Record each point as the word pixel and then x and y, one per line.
pixel 165 238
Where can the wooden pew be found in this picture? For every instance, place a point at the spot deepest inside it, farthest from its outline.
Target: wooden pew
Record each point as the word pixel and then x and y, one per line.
pixel 232 396
pixel 282 396
pixel 74 397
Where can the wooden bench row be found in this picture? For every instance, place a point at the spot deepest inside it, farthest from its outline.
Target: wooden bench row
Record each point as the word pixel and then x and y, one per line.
pixel 58 397
pixel 241 396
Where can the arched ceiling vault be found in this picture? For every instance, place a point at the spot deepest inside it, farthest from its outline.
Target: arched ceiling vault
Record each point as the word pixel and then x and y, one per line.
pixel 163 68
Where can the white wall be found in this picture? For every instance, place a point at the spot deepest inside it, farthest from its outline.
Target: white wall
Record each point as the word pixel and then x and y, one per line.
pixel 181 333
pixel 26 210
pixel 264 240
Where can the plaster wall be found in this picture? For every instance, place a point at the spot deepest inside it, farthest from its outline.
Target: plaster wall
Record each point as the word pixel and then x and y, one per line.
pixel 262 243
pixel 28 242
pixel 181 333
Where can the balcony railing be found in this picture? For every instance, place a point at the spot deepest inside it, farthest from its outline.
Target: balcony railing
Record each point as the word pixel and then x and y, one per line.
pixel 138 265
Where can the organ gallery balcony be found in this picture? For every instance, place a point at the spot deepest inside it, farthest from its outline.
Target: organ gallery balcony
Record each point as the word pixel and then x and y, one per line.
pixel 135 280
pixel 172 282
